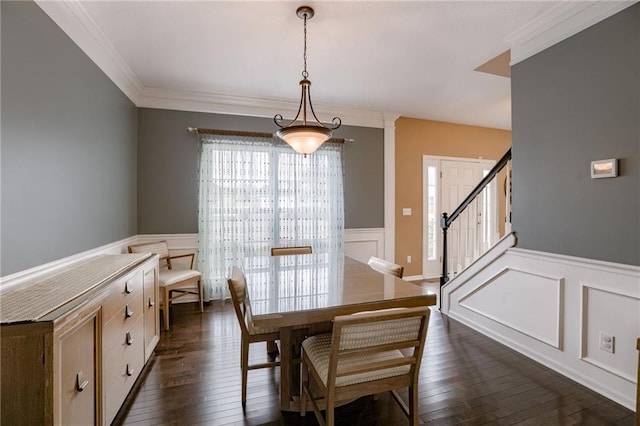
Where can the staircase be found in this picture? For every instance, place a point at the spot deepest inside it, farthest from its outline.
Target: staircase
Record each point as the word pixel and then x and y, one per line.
pixel 466 232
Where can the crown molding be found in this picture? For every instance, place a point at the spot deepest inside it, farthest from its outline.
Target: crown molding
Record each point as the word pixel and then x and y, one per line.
pixel 76 22
pixel 559 23
pixel 202 101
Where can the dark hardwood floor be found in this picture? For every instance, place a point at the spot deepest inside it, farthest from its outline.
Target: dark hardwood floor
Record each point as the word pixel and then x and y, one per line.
pixel 466 379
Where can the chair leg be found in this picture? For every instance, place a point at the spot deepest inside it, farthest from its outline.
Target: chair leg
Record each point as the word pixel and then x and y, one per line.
pixel 244 364
pixel 272 348
pixel 330 410
pixel 413 405
pixel 200 295
pixel 165 306
pixel 304 383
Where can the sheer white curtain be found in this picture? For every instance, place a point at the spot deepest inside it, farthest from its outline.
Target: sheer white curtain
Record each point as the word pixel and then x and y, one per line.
pixel 256 193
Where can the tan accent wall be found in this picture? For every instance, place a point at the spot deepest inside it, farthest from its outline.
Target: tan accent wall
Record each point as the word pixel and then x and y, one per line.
pixel 415 138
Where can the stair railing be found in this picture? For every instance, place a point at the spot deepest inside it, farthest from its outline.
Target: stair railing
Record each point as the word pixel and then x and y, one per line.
pixel 470 202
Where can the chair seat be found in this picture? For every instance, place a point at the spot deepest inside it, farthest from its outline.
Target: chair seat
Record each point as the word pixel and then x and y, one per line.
pixel 173 276
pixel 318 349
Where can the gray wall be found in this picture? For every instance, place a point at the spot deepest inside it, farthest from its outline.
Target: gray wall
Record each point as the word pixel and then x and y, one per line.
pixel 576 102
pixel 167 170
pixel 68 146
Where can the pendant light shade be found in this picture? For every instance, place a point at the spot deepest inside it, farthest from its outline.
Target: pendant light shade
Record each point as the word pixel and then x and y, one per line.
pixel 305 138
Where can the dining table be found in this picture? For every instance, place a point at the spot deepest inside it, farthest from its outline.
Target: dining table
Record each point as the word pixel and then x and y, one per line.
pixel 304 293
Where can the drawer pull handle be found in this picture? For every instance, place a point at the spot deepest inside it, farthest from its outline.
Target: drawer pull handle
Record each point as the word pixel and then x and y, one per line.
pixel 151 304
pixel 129 339
pixel 127 289
pixel 128 313
pixel 129 370
pixel 81 382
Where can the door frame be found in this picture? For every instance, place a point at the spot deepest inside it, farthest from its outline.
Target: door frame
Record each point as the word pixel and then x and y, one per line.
pixel 436 161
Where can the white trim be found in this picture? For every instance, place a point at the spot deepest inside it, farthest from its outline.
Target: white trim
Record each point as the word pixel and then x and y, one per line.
pixel 221 103
pixel 584 290
pixel 476 267
pixel 75 21
pixel 21 277
pixel 559 23
pixel 571 358
pixel 613 394
pixel 557 342
pixel 551 27
pixel 599 265
pixel 177 242
pixel 174 241
pixel 390 186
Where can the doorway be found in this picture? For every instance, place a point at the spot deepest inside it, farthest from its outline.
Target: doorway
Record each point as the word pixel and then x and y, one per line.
pixel 446 182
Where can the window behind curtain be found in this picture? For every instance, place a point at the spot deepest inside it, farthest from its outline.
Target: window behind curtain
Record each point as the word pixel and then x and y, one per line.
pixel 257 193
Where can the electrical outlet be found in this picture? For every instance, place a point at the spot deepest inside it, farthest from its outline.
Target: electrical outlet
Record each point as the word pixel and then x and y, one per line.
pixel 408 259
pixel 607 342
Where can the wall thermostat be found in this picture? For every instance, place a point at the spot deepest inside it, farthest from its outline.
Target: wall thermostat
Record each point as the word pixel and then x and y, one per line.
pixel 604 168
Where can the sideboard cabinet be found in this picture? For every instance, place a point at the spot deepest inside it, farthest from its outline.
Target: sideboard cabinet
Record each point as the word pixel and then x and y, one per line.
pixel 73 343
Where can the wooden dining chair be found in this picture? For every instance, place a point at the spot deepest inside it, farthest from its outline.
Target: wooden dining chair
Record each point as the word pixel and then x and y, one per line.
pixel 366 354
pixel 386 267
pixel 287 251
pixel 173 283
pixel 250 334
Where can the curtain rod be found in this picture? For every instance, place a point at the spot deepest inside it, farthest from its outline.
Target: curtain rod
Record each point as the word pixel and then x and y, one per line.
pixel 201 131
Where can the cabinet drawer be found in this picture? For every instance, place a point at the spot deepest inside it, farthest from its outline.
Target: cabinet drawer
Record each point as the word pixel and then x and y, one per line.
pixel 121 366
pixel 115 329
pixel 122 292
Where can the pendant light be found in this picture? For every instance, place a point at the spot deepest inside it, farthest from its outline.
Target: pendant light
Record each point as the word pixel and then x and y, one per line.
pixel 305 138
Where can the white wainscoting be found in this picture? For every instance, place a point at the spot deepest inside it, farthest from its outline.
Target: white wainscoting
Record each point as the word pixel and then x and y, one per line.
pixel 362 243
pixel 553 308
pixel 34 273
pixel 359 243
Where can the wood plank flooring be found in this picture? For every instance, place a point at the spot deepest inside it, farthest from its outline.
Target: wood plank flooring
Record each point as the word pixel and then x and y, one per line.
pixel 466 379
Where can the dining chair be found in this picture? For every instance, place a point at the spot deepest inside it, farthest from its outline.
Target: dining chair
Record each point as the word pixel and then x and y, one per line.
pixel 386 267
pixel 173 283
pixel 250 334
pixel 366 354
pixel 287 251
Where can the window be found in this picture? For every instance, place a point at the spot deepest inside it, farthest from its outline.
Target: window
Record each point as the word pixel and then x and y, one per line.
pixel 256 193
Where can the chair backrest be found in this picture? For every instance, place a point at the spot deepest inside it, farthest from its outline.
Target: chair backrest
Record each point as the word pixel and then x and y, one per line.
pixel 240 298
pixel 286 251
pixel 156 247
pixel 386 267
pixel 379 331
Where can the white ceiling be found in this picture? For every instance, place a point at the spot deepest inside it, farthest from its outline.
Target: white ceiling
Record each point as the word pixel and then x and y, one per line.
pixel 414 59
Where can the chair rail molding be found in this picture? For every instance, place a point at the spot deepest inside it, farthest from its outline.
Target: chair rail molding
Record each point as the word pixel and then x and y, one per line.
pixel 117 247
pixel 359 243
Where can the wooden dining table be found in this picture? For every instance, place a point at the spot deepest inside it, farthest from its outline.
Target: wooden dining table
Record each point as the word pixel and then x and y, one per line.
pixel 306 292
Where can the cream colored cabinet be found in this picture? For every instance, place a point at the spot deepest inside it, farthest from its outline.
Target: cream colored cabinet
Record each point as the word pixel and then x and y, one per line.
pixel 74 343
pixel 77 347
pixel 151 311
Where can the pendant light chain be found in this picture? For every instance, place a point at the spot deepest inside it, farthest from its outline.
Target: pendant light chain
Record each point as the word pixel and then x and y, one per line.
pixel 305 74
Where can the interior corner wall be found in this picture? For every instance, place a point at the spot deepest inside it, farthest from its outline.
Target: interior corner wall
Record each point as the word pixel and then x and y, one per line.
pixel 573 103
pixel 416 138
pixel 68 166
pixel 168 169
